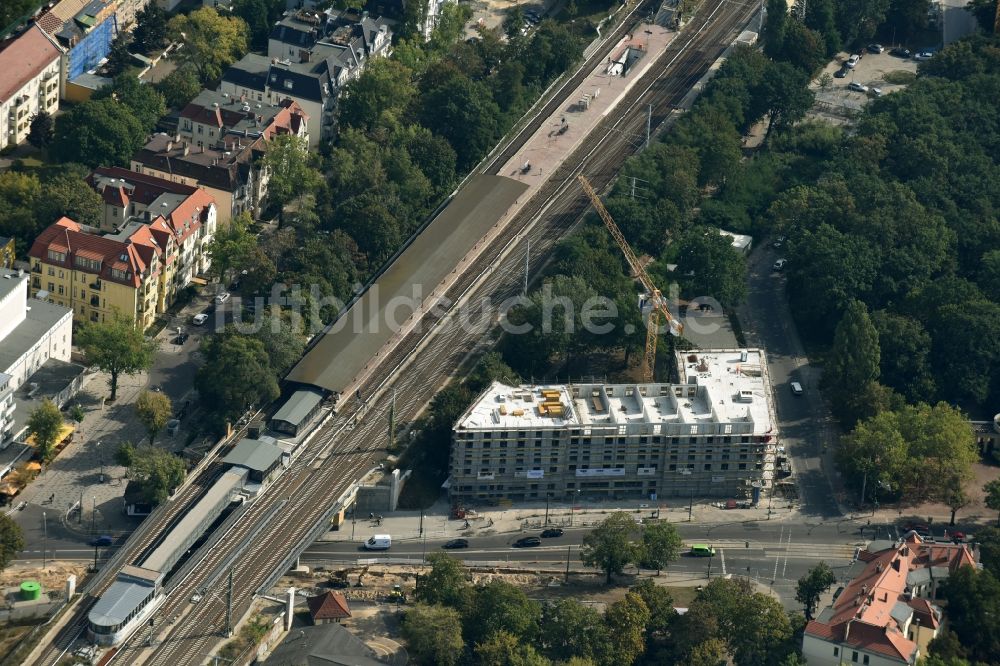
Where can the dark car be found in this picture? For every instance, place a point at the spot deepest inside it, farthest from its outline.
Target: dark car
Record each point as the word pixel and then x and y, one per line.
pixel 841 73
pixel 181 338
pixel 102 541
pixel 875 48
pixel 456 543
pixel 923 529
pixel 527 542
pixel 552 532
pixel 900 52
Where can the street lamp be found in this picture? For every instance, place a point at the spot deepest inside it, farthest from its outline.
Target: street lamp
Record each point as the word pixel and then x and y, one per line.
pixel 45 538
pixel 100 453
pixel 547 496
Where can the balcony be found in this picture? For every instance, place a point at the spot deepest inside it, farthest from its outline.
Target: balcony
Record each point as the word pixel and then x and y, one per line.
pixel 96 285
pixel 95 301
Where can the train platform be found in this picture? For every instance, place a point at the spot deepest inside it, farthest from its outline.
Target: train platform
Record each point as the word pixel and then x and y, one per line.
pixel 594 100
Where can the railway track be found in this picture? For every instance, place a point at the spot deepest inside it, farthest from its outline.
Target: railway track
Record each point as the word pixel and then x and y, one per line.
pixel 424 359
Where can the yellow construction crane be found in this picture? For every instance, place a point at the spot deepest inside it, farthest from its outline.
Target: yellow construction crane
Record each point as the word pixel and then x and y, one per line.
pixel 659 310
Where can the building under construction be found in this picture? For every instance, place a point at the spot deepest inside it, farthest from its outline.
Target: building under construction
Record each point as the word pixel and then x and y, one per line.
pixel 711 435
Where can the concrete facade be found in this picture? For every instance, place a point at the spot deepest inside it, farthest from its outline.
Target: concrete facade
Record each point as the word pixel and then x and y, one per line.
pixel 712 435
pixel 29 83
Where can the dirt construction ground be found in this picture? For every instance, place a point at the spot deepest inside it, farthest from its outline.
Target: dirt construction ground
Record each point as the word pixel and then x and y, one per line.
pixel 836 101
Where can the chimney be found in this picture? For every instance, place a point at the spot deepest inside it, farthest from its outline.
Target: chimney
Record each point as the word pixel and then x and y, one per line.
pixel 187 150
pixel 895 564
pixel 170 146
pixel 289 608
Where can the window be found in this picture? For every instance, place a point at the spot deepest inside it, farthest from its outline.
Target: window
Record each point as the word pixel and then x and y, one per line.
pixel 865 660
pixel 854 656
pixel 52 272
pixel 836 651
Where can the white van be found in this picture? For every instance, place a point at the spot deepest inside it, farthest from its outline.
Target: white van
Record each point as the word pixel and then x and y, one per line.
pixel 379 542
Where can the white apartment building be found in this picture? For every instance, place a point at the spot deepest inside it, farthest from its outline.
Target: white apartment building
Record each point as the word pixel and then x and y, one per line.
pixel 711 435
pixel 31 333
pixel 29 83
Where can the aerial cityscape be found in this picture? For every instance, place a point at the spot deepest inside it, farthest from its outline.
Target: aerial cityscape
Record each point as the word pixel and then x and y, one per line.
pixel 500 332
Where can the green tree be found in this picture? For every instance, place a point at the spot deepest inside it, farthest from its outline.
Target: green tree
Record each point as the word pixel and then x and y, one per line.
pixel 144 101
pixel 491 368
pixel 11 540
pixel 569 628
pixel 447 583
pixel 211 42
pixel 157 472
pixel 231 246
pixel 179 86
pixel 150 31
pixel 19 194
pixel 974 612
pixel 119 57
pixel 812 586
pixel 992 490
pixel 907 17
pixel 237 375
pixel 68 194
pixel 100 132
pixel 462 111
pixel 505 649
pixel 660 604
pixel 433 634
pixel 260 16
pixel 283 343
pixel 626 620
pixel 116 347
pixel 44 425
pixel 611 545
pixel 711 652
pixel 985 13
pixel 965 350
pixel 154 409
pixel 904 358
pixel 499 606
pixel 125 454
pixel 372 224
pixel 291 174
pixel 719 271
pixel 854 361
pixel 384 89
pixel 42 130
pixel 786 96
pixel 988 539
pixel 661 545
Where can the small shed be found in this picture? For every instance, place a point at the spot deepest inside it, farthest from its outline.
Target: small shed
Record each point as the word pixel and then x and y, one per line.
pixel 297 411
pixel 259 456
pixel 329 607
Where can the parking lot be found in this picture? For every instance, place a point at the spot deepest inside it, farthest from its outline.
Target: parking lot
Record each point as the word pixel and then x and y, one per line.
pixel 837 102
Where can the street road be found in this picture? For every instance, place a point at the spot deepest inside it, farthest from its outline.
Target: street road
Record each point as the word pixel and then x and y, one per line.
pixel 805 424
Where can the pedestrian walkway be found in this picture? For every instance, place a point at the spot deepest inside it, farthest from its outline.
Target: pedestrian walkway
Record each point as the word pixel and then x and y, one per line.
pixel 436 522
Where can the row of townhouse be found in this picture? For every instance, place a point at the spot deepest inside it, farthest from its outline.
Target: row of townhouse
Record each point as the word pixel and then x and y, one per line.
pixel 152 242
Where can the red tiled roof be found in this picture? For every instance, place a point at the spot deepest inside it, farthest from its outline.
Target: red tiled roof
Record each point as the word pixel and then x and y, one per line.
pixel 328 606
pixel 24 59
pixel 66 235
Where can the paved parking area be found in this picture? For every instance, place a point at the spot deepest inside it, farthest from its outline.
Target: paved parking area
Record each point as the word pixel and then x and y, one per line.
pixel 836 102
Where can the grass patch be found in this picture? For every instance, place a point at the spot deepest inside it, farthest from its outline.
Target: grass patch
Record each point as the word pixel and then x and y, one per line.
pixel 899 77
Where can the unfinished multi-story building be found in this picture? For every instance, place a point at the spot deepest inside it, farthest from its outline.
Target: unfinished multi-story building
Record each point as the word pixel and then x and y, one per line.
pixel 711 435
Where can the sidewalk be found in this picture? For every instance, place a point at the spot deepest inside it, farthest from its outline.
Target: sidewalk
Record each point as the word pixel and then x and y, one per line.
pixel 437 524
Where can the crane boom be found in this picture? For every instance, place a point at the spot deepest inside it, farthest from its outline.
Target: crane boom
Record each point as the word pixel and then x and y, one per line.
pixel 659 305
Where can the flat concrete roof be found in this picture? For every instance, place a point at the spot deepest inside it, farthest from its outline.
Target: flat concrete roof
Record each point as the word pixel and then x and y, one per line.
pixel 10 281
pixel 219 494
pixel 343 350
pixel 39 320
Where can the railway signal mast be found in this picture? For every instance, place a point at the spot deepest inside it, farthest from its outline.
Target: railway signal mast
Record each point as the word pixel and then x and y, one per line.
pixel 659 311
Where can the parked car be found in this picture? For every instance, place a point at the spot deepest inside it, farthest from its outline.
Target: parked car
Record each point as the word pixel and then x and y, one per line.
pixel 527 542
pixel 875 48
pixel 923 529
pixel 956 536
pixel 779 265
pixel 552 532
pixel 102 541
pixel 853 61
pixel 796 388
pixel 900 52
pixel 841 73
pixel 857 87
pixel 456 543
pixel 875 92
pixel 222 298
pixel 779 241
pixel 199 319
pixel 924 55
pixel 181 338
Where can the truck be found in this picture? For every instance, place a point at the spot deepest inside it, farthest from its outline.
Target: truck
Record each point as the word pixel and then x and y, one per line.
pixel 379 542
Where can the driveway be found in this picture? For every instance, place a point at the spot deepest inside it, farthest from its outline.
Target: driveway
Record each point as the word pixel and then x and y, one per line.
pixel 806 427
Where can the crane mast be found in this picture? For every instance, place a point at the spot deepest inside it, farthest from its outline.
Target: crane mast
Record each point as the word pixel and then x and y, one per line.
pixel 659 311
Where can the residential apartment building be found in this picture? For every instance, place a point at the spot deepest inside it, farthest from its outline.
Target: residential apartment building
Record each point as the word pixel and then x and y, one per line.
pixel 886 615
pixel 32 333
pixel 181 218
pixel 212 116
pixel 232 172
pixel 84 30
pixel 713 434
pixel 29 83
pixel 311 56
